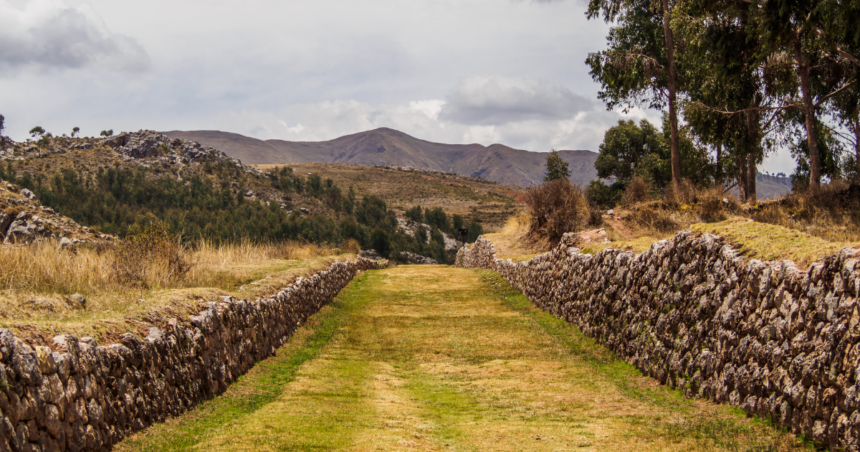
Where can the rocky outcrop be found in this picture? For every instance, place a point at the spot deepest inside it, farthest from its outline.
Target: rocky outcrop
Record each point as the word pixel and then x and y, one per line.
pixel 411 227
pixel 23 220
pixel 147 145
pixel 408 257
pixel 777 341
pixel 79 395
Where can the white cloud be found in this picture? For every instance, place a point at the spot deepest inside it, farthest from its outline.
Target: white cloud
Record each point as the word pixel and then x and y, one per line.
pixel 49 34
pixel 494 100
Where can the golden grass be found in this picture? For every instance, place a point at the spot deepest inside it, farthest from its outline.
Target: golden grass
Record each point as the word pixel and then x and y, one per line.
pixel 513 240
pixel 37 281
pixel 752 239
pixel 772 242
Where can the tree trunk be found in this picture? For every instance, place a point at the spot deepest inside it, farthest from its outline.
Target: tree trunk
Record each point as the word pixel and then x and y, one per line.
pixel 718 171
pixel 752 172
pixel 753 149
pixel 743 174
pixel 856 127
pixel 809 113
pixel 673 113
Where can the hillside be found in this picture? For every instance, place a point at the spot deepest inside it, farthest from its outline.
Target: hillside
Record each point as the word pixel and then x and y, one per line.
pixel 497 163
pixel 403 188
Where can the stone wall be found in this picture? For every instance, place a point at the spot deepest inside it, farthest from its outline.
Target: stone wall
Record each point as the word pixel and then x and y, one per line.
pixel 768 337
pixel 78 395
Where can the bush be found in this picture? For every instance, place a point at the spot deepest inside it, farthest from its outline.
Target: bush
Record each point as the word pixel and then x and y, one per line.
pixel 151 257
pixel 603 196
pixel 637 191
pixel 556 207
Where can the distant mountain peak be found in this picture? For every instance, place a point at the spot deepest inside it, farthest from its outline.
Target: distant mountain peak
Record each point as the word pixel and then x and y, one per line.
pixel 385 146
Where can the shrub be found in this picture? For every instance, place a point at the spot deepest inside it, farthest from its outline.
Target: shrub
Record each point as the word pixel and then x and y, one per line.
pixel 150 257
pixel 603 196
pixel 556 207
pixel 637 191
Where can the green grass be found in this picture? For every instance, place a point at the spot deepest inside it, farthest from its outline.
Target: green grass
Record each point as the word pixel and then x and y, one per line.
pixel 437 358
pixel 251 392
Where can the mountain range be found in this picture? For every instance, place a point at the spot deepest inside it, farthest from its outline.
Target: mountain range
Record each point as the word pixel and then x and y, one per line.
pixel 497 162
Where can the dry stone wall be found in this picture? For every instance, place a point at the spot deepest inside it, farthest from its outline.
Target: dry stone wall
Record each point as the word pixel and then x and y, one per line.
pixel 777 341
pixel 81 396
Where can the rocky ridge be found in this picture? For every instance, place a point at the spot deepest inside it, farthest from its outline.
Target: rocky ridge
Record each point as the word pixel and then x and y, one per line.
pixel 148 147
pixel 24 220
pixel 777 341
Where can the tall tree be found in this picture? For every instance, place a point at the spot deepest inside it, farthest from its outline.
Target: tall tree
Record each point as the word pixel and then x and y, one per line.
pixel 726 97
pixel 817 36
pixel 639 67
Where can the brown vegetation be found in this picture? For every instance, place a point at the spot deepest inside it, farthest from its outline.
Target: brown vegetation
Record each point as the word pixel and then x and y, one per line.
pixel 557 207
pixel 38 281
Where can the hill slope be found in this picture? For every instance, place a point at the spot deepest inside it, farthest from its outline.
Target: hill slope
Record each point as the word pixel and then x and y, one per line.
pixel 498 163
pixel 403 188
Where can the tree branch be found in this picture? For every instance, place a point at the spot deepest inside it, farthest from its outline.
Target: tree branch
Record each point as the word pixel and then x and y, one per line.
pixel 732 113
pixel 844 54
pixel 833 93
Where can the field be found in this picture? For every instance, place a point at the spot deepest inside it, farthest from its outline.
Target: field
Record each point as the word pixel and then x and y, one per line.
pixel 466 196
pixel 436 358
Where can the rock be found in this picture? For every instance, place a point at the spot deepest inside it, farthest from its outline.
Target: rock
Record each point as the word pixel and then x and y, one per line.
pixel 303 210
pixel 77 301
pixel 692 306
pixel 5 221
pixel 407 257
pixel 67 244
pixel 27 194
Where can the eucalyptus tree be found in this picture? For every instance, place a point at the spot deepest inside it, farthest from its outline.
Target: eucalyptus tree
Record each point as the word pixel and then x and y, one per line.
pixel 727 100
pixel 818 39
pixel 639 67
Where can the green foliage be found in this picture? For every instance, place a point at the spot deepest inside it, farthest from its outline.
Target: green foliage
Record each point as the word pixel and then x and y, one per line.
pixel 2 124
pixel 415 214
pixel 106 133
pixel 437 218
pixel 602 195
pixel 37 131
pixel 556 167
pixel 124 201
pixel 380 242
pixel 75 131
pixel 829 148
pixel 629 150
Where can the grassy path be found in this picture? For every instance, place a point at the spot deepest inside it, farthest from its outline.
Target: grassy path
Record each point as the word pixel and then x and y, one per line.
pixel 437 358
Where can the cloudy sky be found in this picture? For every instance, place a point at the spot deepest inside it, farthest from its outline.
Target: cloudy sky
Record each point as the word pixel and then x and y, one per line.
pixel 453 71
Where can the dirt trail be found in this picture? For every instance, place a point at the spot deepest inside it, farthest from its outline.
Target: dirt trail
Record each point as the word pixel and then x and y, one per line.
pixel 437 358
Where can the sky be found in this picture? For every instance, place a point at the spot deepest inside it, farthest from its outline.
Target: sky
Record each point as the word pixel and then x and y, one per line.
pixel 450 71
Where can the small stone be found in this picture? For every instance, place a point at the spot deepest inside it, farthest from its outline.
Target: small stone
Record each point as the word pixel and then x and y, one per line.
pixel 77 301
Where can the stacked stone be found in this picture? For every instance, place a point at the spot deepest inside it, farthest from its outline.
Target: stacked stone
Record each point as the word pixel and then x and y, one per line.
pixel 78 395
pixel 777 341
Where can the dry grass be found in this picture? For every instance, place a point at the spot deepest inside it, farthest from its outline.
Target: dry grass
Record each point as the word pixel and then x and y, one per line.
pixel 38 280
pixel 513 240
pixel 772 242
